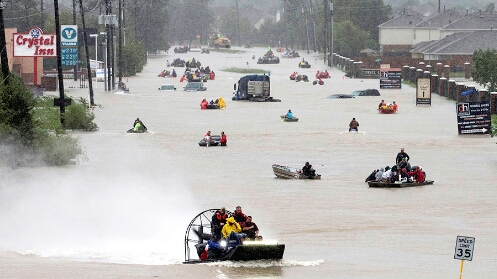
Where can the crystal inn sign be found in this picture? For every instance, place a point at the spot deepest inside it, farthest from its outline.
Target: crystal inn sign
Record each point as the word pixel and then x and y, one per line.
pixel 34 44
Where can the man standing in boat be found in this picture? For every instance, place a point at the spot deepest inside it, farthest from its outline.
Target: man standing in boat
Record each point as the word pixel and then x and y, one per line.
pixel 400 156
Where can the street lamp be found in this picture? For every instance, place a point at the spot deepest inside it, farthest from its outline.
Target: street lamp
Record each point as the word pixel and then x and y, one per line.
pixel 96 55
pixel 104 44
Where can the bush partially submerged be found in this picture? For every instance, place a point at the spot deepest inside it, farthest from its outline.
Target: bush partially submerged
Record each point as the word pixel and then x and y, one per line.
pixel 31 133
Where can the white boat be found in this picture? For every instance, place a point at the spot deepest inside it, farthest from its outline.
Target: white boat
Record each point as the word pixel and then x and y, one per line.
pixel 291 173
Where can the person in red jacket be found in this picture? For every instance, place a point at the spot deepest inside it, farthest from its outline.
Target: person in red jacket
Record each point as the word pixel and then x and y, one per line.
pixel 418 174
pixel 223 140
pixel 238 215
pixel 204 104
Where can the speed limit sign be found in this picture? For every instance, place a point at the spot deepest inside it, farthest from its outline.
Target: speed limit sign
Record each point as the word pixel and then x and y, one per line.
pixel 464 248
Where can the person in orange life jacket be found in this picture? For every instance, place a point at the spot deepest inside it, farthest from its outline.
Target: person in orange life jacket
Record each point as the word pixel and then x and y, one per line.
pixel 218 222
pixel 223 140
pixel 238 215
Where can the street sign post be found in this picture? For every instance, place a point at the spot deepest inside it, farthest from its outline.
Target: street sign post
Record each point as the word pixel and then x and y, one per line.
pixel 464 250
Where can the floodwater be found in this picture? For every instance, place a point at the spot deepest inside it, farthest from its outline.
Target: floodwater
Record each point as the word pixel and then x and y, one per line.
pixel 122 211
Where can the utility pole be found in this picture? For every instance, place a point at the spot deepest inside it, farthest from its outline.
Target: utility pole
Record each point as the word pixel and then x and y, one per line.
pixel 3 48
pixel 311 12
pixel 120 45
pixel 42 15
pixel 75 67
pixel 330 61
pixel 325 30
pixel 61 102
pixel 306 27
pixel 108 38
pixel 238 18
pixel 88 66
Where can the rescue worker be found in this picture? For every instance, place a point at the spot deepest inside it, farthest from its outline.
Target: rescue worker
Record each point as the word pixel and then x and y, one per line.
pixel 221 103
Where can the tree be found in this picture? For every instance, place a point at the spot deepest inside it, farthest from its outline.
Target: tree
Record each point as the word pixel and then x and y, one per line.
pixel 349 39
pixel 484 71
pixel 149 20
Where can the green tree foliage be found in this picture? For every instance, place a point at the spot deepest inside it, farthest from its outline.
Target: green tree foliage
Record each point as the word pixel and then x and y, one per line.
pixel 135 57
pixel 16 103
pixel 190 18
pixel 30 130
pixel 367 14
pixel 150 20
pixel 349 39
pixel 22 14
pixel 229 27
pixel 484 71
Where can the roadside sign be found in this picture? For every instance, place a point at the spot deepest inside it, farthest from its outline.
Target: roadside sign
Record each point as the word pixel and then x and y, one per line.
pixel 423 91
pixel 473 118
pixel 464 248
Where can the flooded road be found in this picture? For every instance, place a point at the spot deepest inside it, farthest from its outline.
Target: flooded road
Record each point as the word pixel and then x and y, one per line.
pixel 123 210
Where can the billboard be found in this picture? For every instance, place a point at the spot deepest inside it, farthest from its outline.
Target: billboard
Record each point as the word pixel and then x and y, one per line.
pixel 390 78
pixel 34 44
pixel 473 118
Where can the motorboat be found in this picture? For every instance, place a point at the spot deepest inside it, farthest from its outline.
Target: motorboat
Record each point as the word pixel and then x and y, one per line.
pixel 199 233
pixel 398 184
pixel 291 173
pixel 286 119
pixel 215 141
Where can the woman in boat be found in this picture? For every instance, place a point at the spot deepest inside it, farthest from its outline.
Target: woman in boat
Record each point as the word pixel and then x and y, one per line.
pixel 223 141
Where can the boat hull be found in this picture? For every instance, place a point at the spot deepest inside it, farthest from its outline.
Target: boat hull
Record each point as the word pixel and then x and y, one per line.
pixel 291 173
pixel 374 184
pixel 249 253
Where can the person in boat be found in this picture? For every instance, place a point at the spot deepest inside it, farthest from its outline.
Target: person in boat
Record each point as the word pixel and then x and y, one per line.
pixel 381 104
pixel 138 125
pixel 174 74
pixel 387 175
pixel 372 176
pixel 223 141
pixel 379 174
pixel 250 228
pixel 218 222
pixel 239 215
pixel 289 114
pixel 233 232
pixel 404 164
pixel 353 125
pixel 395 174
pixel 418 174
pixel 211 102
pixel 204 104
pixel 208 138
pixel 168 64
pixel 221 103
pixel 395 106
pixel 401 155
pixel 308 171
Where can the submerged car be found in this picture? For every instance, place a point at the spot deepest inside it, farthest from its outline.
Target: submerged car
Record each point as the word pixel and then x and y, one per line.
pixel 366 92
pixel 167 87
pixel 195 86
pixel 340 96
